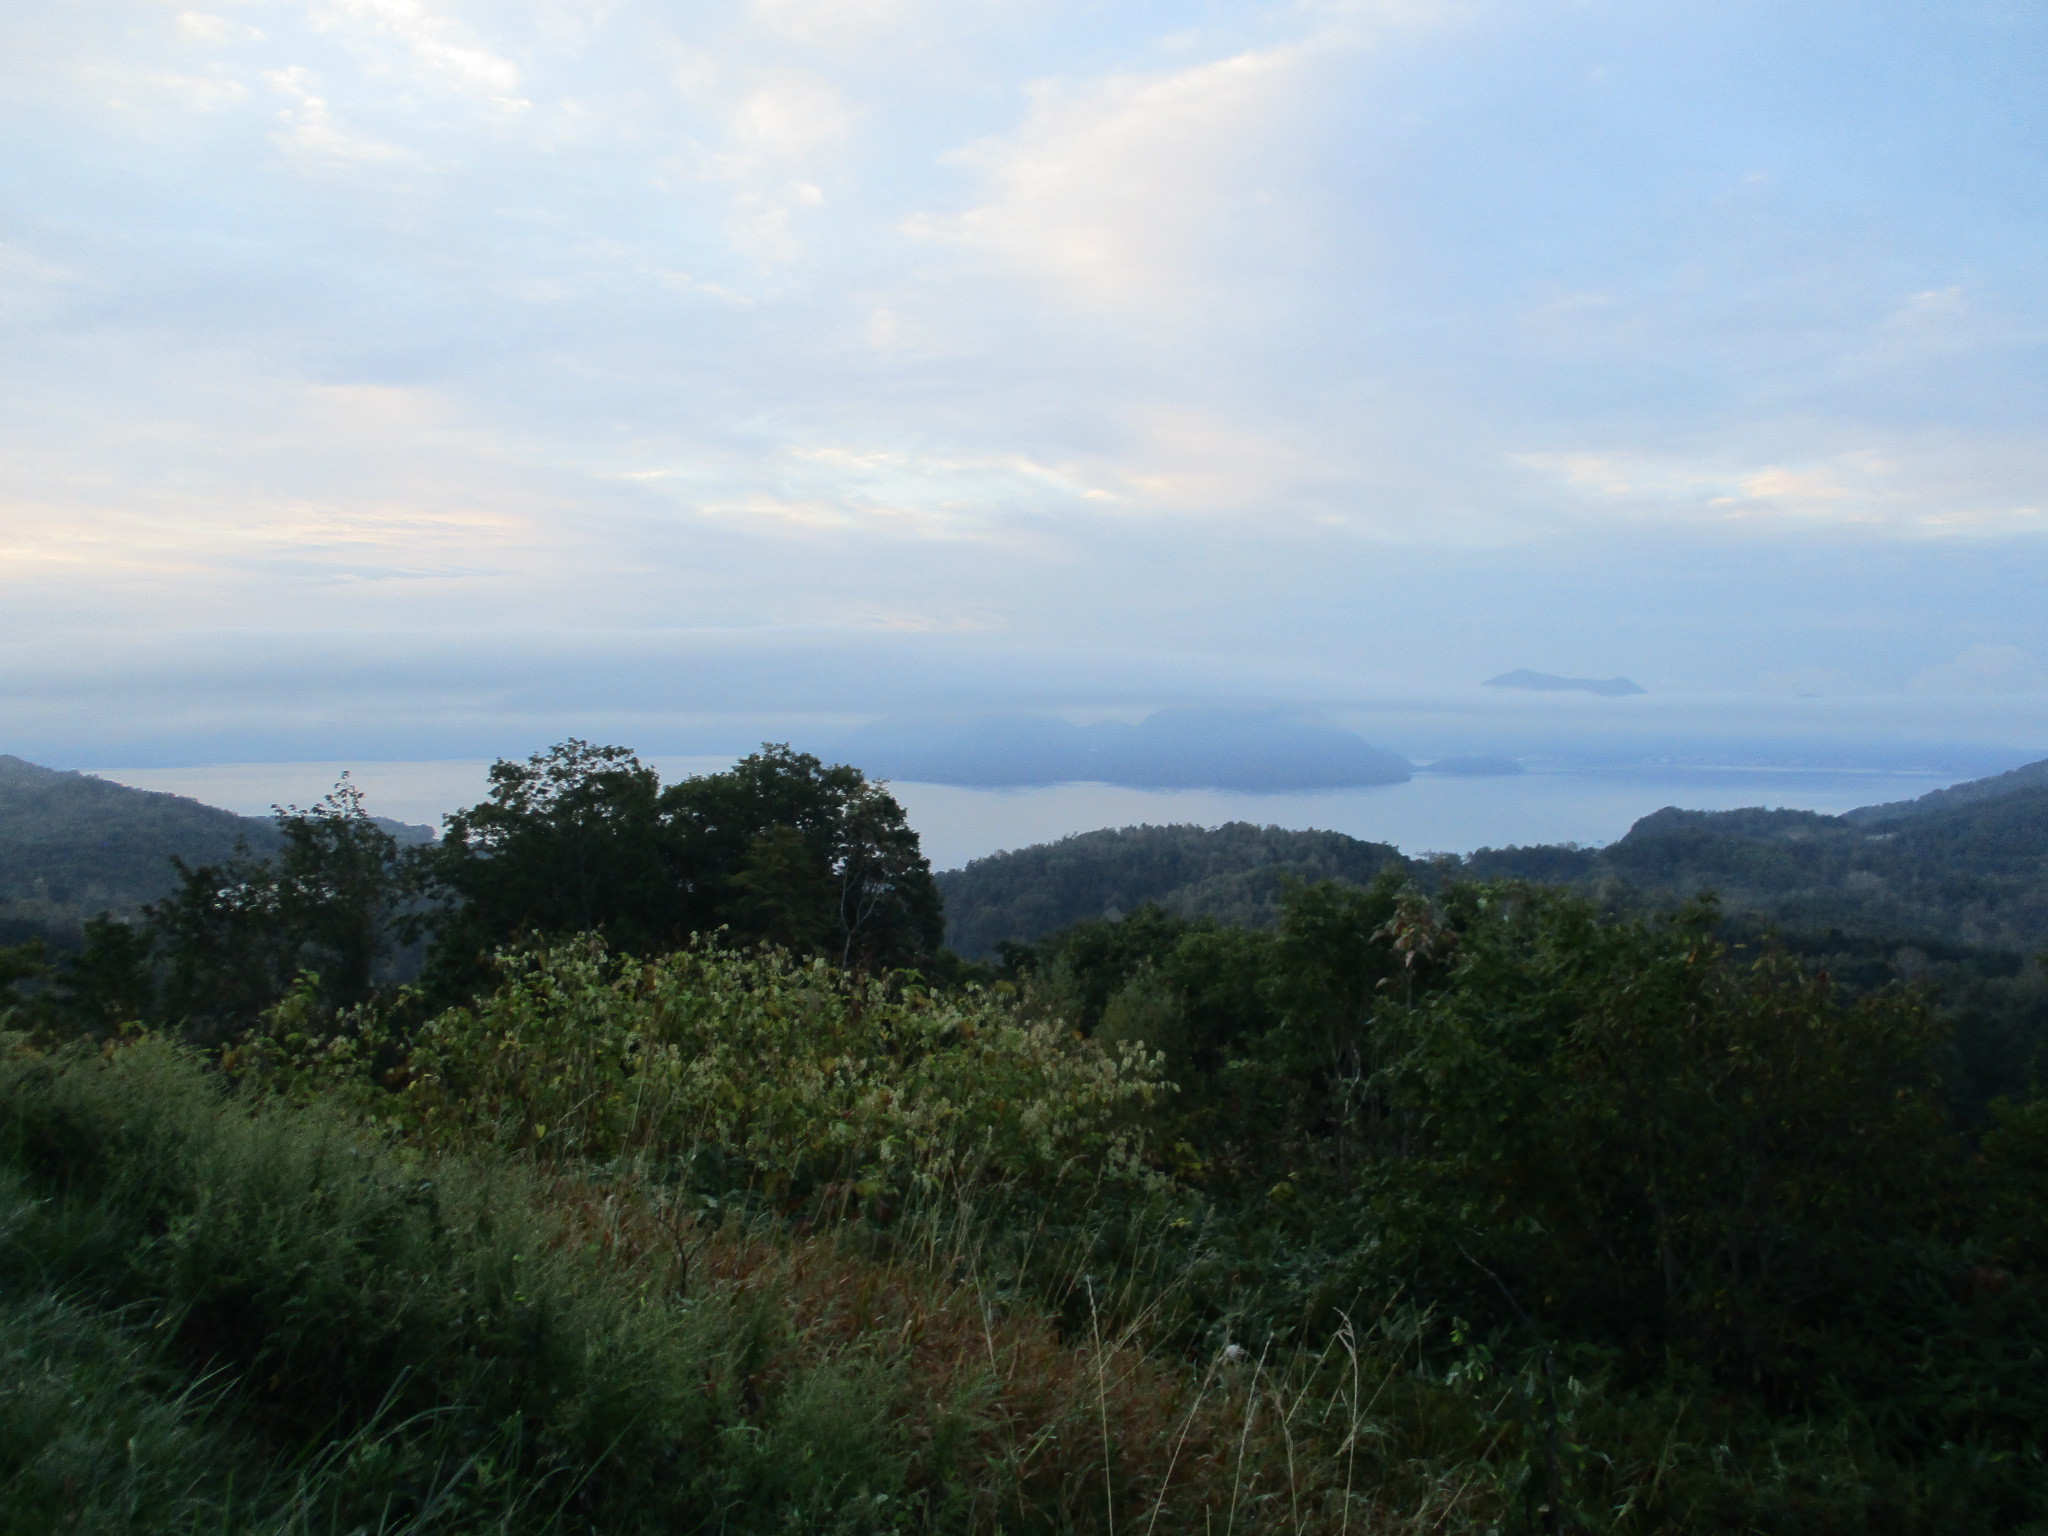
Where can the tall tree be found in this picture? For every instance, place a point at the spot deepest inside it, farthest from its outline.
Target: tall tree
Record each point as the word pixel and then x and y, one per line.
pixel 781 843
pixel 779 849
pixel 234 936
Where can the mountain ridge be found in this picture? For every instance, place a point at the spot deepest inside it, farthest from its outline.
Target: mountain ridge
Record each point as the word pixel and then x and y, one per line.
pixel 73 845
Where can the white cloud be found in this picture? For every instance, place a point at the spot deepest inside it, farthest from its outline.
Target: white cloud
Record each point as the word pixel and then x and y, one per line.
pixel 435 43
pixel 1117 192
pixel 203 93
pixel 782 131
pixel 832 23
pixel 1984 669
pixel 204 27
pixel 309 126
pixel 787 119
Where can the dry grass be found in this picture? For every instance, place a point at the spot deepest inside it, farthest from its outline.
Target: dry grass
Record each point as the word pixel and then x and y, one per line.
pixel 1017 1425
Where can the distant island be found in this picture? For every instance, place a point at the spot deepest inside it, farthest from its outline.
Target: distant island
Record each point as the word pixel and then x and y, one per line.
pixel 1545 682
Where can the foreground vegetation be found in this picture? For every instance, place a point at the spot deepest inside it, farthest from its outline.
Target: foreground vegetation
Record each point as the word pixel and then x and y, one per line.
pixel 1470 1208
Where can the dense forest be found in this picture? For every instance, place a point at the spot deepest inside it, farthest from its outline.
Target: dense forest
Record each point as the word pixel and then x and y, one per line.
pixel 73 846
pixel 635 1158
pixel 1961 866
pixel 1236 873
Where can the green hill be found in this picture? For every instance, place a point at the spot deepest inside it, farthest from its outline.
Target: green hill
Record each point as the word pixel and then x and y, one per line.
pixel 1233 873
pixel 1965 865
pixel 72 845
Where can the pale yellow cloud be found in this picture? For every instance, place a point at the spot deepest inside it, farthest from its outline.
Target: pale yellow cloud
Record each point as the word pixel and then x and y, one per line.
pixel 1113 192
pixel 1915 489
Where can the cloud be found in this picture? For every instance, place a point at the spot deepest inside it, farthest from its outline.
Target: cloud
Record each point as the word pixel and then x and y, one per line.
pixel 779 131
pixel 204 27
pixel 310 127
pixel 1916 490
pixel 1213 349
pixel 1117 192
pixel 1984 669
pixel 435 43
pixel 832 23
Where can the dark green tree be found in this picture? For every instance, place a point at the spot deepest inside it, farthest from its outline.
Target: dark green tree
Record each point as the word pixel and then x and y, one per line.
pixel 234 936
pixel 569 841
pixel 856 887
pixel 778 849
pixel 1623 1132
pixel 110 982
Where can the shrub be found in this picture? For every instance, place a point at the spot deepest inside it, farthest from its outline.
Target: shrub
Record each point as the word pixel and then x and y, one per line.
pixel 759 1071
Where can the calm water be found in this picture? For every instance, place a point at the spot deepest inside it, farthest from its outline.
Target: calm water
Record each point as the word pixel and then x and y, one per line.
pixel 1424 815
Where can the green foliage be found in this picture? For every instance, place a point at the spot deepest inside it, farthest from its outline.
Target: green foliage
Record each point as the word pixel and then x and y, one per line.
pixel 780 848
pixel 463 1356
pixel 1421 1204
pixel 234 936
pixel 1236 874
pixel 792 1079
pixel 1646 1145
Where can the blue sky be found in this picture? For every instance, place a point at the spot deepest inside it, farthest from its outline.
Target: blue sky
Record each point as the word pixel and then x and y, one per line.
pixel 415 379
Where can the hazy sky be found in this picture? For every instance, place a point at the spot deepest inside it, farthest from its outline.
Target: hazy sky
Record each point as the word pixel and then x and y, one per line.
pixel 411 378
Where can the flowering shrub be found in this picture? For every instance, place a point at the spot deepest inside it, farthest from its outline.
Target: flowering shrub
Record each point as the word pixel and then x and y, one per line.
pixel 787 1076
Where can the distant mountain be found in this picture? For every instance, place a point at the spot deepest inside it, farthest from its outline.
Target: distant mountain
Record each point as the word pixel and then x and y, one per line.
pixel 1234 873
pixel 1964 866
pixel 1246 749
pixel 72 845
pixel 2032 776
pixel 1545 682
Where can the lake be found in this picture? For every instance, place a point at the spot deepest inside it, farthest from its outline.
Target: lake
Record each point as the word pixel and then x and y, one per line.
pixel 1427 814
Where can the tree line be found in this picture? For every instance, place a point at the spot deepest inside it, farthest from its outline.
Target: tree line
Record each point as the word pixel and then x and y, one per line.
pixel 781 849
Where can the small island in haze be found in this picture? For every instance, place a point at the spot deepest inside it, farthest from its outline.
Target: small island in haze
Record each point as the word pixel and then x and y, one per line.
pixel 1545 682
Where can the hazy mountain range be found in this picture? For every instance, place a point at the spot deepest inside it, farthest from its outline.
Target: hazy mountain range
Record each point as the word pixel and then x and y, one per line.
pixel 1964 865
pixel 1545 682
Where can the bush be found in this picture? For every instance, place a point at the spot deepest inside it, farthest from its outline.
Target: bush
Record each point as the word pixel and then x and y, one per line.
pixel 751 1071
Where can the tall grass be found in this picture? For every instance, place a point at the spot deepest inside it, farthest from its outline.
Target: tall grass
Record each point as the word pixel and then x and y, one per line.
pixel 735 1245
pixel 355 1333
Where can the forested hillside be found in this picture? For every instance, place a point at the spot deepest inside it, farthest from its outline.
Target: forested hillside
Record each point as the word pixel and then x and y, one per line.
pixel 688 1186
pixel 1234 873
pixel 1966 866
pixel 72 845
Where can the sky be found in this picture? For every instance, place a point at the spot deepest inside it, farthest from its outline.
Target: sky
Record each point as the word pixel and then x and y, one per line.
pixel 406 379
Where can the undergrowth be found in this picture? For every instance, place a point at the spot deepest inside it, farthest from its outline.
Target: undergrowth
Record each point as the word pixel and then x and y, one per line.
pixel 733 1243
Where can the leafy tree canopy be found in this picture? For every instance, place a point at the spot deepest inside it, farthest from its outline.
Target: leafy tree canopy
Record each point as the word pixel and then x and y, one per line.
pixel 780 848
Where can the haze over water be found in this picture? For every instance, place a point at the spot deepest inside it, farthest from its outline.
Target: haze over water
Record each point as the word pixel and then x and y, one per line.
pixel 1427 814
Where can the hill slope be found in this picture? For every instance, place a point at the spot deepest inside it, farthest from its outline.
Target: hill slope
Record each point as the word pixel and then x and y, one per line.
pixel 2032 776
pixel 1234 873
pixel 72 845
pixel 1965 865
